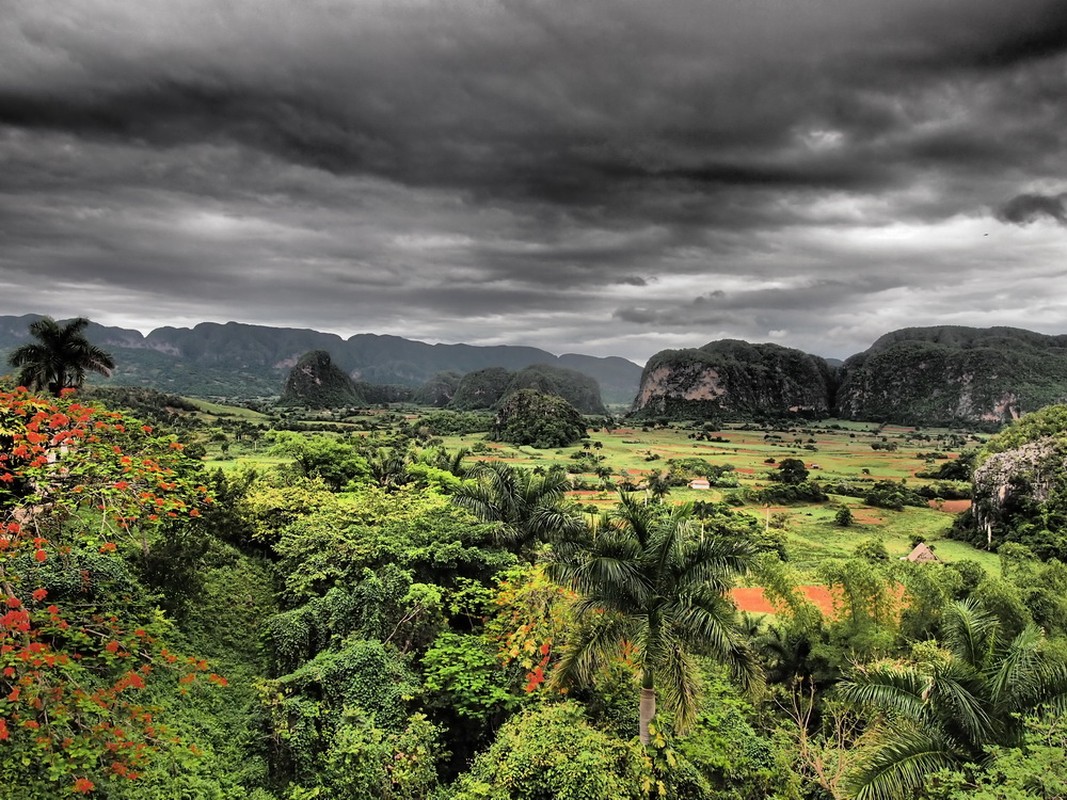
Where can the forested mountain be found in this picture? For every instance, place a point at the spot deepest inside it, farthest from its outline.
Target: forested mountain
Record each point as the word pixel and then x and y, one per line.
pixel 486 388
pixel 316 382
pixel 930 376
pixel 935 375
pixel 238 359
pixel 949 374
pixel 735 377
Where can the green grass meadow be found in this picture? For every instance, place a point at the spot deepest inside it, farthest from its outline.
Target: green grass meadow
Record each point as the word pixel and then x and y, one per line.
pixel 832 450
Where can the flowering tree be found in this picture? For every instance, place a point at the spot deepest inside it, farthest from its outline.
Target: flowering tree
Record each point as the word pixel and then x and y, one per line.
pixel 80 486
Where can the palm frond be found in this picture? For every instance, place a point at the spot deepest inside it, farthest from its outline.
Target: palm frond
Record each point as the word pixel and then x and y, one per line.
pixel 1017 674
pixel 889 688
pixel 970 632
pixel 589 649
pixel 709 622
pixel 634 516
pixel 715 560
pixel 898 767
pixel 957 696
pixel 617 583
pixel 678 687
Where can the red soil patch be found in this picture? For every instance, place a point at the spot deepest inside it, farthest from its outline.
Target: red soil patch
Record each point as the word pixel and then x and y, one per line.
pixel 746 470
pixel 951 506
pixel 752 599
pixel 866 517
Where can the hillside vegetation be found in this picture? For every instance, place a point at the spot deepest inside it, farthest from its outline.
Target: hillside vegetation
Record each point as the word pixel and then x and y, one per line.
pixel 364 604
pixel 238 360
pixel 943 375
pixel 735 378
pixel 488 388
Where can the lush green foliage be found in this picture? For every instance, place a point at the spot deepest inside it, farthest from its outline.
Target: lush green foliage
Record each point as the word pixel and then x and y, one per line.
pixel 60 357
pixel 87 495
pixel 541 420
pixel 380 621
pixel 651 585
pixel 943 709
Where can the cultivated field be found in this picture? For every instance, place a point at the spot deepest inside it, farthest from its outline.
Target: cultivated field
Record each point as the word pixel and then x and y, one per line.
pixel 833 451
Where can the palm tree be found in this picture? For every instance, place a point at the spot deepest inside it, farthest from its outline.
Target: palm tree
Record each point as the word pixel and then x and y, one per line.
pixel 945 711
pixel 529 508
pixel 650 579
pixel 60 357
pixel 388 466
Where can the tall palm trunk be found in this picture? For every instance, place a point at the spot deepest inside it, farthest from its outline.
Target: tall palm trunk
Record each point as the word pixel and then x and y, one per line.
pixel 647 710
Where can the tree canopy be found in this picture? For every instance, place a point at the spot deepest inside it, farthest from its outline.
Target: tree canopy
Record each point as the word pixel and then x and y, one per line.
pixel 60 357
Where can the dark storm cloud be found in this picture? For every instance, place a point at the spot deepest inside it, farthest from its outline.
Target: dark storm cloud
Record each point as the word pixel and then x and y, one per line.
pixel 1026 208
pixel 563 174
pixel 544 103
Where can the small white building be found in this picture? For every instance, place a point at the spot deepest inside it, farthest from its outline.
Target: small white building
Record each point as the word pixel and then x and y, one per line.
pixel 699 483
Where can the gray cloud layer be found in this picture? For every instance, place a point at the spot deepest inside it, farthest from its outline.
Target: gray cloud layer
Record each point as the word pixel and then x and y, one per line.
pixel 611 176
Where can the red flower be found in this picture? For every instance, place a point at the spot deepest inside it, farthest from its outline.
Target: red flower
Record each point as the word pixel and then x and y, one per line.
pixel 84 785
pixel 40 556
pixel 40 594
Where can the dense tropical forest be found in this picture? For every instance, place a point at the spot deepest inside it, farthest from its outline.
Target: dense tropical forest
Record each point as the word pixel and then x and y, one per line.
pixel 391 600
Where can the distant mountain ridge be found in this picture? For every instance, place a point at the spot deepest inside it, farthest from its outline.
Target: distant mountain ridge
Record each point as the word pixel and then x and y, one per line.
pixel 941 375
pixel 236 359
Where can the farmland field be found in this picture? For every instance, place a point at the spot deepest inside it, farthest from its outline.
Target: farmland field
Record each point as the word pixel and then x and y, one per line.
pixel 835 452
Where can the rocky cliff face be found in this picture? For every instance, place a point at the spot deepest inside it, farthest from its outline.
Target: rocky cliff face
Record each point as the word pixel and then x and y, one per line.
pixel 1011 484
pixel 945 375
pixel 316 382
pixel 954 375
pixel 735 377
pixel 1020 487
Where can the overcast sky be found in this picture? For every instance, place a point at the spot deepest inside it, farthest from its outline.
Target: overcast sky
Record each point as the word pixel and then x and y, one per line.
pixel 612 177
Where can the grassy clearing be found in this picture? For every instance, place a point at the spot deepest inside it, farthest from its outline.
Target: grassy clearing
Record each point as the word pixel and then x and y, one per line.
pixel 233 463
pixel 213 411
pixel 832 450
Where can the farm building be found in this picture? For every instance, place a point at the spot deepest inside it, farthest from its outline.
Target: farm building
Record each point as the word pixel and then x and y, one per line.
pixel 699 483
pixel 922 554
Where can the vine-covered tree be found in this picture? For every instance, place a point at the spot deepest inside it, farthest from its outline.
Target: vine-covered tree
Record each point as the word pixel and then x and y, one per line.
pixel 60 357
pixel 651 578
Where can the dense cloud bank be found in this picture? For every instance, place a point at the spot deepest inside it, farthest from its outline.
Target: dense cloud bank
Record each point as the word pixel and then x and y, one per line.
pixel 609 177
